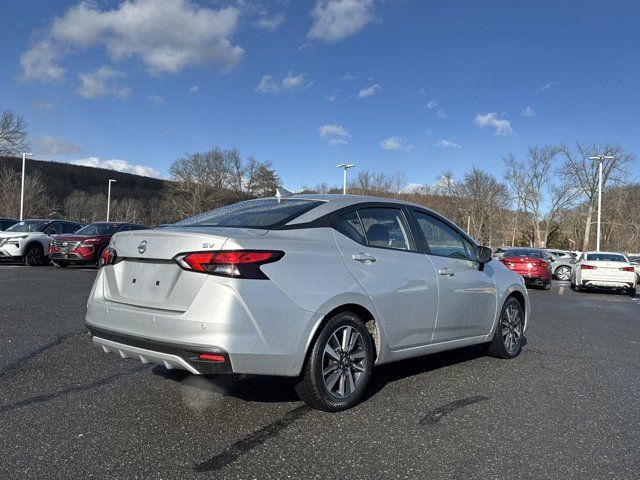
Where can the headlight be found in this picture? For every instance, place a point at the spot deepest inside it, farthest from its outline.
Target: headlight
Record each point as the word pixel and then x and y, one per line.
pixel 14 240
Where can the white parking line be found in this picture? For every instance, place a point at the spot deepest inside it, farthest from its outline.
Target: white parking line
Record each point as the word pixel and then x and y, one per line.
pixel 561 291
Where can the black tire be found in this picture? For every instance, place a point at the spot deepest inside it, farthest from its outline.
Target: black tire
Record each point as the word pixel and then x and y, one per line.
pixel 312 387
pixel 60 263
pixel 499 346
pixel 547 286
pixel 99 257
pixel 34 255
pixel 632 292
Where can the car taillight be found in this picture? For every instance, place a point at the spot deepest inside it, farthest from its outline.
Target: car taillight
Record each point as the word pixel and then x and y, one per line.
pixel 108 257
pixel 587 267
pixel 627 269
pixel 229 263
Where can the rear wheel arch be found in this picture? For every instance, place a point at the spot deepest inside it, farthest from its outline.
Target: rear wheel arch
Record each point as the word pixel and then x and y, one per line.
pixel 365 315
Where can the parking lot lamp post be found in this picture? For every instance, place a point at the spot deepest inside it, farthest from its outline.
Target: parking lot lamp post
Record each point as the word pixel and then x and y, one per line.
pixel 600 159
pixel 24 161
pixel 109 197
pixel 345 167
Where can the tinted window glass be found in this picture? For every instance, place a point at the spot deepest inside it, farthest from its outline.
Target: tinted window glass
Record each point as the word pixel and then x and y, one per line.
pixel 605 257
pixel 524 252
pixel 124 228
pixel 70 227
pixel 138 227
pixel 441 238
pixel 349 224
pixel 54 229
pixel 261 213
pixel 98 229
pixel 385 227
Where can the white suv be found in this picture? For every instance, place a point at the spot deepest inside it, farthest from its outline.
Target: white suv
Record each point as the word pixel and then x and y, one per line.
pixel 29 240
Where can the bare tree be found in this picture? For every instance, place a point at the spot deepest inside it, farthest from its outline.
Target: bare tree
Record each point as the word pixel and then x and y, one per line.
pixel 581 173
pixel 540 190
pixel 13 134
pixel 36 199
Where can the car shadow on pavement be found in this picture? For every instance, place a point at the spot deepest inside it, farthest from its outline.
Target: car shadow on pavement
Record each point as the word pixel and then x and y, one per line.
pixel 265 389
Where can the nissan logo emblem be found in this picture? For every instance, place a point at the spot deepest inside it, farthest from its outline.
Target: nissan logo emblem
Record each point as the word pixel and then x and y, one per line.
pixel 142 247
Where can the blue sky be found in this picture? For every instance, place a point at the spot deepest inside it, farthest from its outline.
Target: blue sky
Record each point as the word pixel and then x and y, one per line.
pixel 409 85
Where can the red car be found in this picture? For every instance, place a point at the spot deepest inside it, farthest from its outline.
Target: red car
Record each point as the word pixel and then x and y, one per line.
pixel 531 264
pixel 86 245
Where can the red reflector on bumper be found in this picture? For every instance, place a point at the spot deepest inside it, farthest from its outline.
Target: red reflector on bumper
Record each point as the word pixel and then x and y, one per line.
pixel 211 357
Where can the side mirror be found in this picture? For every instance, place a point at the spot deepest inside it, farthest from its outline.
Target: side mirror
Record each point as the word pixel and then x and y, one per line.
pixel 484 255
pixel 50 232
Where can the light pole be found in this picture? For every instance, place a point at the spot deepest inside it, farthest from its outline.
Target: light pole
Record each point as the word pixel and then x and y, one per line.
pixel 345 167
pixel 109 197
pixel 600 159
pixel 24 161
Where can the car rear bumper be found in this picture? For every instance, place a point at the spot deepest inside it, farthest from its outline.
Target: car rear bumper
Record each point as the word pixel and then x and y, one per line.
pixel 171 355
pixel 608 284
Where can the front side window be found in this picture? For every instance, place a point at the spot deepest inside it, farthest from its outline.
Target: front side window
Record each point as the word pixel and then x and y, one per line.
pixel 385 227
pixel 98 229
pixel 443 240
pixel 70 227
pixel 54 229
pixel 260 213
pixel 28 226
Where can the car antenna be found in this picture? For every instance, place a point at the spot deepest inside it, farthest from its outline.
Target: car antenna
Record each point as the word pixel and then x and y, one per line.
pixel 282 192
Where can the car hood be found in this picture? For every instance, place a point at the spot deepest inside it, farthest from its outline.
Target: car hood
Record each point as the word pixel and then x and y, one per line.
pixel 72 237
pixel 19 234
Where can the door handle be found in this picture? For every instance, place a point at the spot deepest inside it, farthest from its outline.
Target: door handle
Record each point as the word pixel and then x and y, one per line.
pixel 363 258
pixel 447 272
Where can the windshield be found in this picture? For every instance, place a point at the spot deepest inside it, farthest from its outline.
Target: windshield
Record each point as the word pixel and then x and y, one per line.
pixel 261 213
pixel 524 252
pixel 605 257
pixel 28 226
pixel 98 229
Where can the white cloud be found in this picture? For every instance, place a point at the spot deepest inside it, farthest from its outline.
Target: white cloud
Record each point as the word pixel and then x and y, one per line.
pixel 334 134
pixel 270 24
pixel 546 86
pixel 118 165
pixel 270 85
pixel 528 112
pixel 101 83
pixel 304 46
pixel 369 91
pixel 335 20
pixel 446 144
pixel 441 114
pixel 50 146
pixel 395 143
pixel 166 35
pixel 193 89
pixel 40 63
pixel 347 77
pixel 501 126
pixel 431 104
pixel 156 100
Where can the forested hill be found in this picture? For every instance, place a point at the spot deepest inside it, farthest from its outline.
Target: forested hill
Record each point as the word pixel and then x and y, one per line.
pixel 61 179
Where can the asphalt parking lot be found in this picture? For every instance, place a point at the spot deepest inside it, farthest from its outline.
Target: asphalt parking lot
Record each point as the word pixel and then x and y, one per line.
pixel 566 408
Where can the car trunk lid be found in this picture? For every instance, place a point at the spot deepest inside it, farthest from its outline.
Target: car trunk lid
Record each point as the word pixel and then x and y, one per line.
pixel 145 274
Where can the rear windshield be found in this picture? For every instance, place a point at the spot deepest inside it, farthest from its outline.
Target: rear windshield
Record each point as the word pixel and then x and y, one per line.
pixel 605 257
pixel 524 252
pixel 261 213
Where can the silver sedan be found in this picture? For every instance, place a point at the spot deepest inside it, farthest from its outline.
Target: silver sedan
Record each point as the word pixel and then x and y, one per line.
pixel 316 287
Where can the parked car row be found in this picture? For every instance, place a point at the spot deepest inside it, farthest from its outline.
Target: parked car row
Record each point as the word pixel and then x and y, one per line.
pixel 609 270
pixel 62 242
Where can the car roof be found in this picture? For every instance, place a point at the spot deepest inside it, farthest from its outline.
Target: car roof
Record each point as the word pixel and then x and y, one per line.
pixel 606 253
pixel 336 201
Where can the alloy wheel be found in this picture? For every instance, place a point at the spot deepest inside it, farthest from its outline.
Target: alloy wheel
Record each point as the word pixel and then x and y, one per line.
pixel 511 328
pixel 33 256
pixel 344 362
pixel 563 273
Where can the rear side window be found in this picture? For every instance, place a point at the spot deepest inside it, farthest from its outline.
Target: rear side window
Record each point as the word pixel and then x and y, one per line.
pixel 443 240
pixel 70 227
pixel 261 213
pixel 385 227
pixel 349 225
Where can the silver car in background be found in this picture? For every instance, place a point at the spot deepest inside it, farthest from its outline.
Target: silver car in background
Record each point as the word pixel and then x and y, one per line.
pixel 317 287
